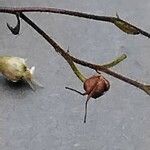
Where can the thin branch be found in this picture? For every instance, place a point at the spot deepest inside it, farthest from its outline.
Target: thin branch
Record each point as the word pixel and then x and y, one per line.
pixel 68 88
pixel 115 61
pixel 107 65
pixel 67 56
pixel 121 24
pixel 76 71
pixel 13 10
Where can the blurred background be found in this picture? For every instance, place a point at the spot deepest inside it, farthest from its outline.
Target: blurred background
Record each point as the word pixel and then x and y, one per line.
pixel 52 118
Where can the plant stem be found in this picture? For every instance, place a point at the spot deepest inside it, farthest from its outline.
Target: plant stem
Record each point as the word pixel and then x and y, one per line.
pixel 81 62
pixel 108 65
pixel 121 24
pixel 76 70
pixel 115 61
pixel 13 10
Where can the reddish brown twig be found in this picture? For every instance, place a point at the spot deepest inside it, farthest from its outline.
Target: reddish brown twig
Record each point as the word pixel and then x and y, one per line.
pixel 67 57
pixel 121 24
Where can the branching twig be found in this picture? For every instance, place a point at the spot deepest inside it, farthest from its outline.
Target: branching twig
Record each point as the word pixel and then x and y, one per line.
pixel 121 24
pixel 67 57
pixel 108 65
pixel 98 88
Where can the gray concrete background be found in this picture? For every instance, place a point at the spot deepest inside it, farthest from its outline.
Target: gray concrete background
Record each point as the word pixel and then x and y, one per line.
pixel 52 118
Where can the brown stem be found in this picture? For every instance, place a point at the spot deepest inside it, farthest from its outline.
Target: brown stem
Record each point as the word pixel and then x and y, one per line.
pixel 81 62
pixel 121 24
pixel 68 88
pixel 86 104
pixel 57 11
pixel 85 111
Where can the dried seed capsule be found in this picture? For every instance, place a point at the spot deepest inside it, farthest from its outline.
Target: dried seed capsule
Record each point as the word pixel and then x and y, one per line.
pixel 15 69
pixel 98 85
pixel 94 87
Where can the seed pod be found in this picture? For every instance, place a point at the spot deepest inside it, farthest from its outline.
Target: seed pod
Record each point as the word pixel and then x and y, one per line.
pixel 15 69
pixel 94 87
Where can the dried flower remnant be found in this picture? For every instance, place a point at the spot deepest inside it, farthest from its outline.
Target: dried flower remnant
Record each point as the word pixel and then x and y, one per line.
pixel 126 27
pixel 15 30
pixel 94 87
pixel 15 69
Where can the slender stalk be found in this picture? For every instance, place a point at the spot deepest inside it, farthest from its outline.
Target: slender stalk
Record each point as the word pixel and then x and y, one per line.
pixel 71 89
pixel 66 55
pixel 56 11
pixel 85 109
pixel 108 65
pixel 115 61
pixel 76 70
pixel 121 24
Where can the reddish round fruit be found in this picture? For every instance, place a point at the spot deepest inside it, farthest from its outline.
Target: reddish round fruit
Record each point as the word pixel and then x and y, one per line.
pixel 96 85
